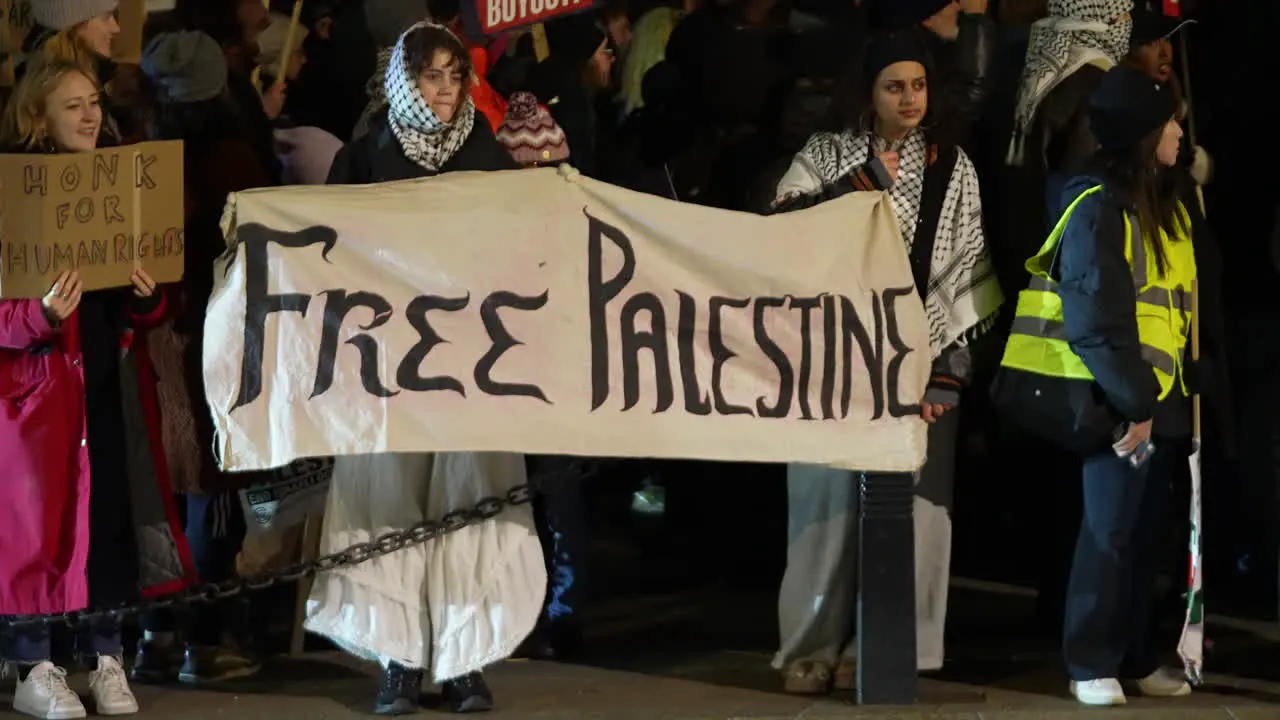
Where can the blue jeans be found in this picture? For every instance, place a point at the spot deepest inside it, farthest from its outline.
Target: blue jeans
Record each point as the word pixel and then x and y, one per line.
pixel 1110 594
pixel 32 646
pixel 560 518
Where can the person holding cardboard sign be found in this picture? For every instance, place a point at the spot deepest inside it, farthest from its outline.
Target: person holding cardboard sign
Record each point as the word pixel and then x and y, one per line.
pixel 76 441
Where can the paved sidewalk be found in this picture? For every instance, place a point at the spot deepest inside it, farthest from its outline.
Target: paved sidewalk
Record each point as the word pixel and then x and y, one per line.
pixel 704 655
pixel 329 686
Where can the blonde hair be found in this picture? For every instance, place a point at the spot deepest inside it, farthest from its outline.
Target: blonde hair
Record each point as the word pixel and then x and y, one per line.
pixel 22 124
pixel 66 46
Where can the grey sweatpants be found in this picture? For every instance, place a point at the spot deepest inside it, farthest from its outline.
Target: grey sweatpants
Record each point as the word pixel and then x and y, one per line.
pixel 816 601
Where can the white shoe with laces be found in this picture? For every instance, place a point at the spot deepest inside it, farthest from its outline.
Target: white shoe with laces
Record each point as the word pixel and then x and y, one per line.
pixel 1100 692
pixel 110 688
pixel 44 694
pixel 1164 683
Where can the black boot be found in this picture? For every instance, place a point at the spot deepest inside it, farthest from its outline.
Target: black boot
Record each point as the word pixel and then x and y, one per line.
pixel 467 694
pixel 399 691
pixel 552 640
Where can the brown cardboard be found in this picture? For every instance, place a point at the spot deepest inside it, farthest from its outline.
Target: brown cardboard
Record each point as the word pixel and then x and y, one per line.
pixel 127 46
pixel 17 22
pixel 86 212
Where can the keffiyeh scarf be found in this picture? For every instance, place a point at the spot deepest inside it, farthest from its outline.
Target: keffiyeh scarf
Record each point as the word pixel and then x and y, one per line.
pixel 423 137
pixel 1076 33
pixel 963 294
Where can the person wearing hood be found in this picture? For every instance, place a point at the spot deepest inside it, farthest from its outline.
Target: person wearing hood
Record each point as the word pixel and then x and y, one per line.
pixel 569 82
pixel 1109 306
pixel 80 32
pixel 405 610
pixel 963 42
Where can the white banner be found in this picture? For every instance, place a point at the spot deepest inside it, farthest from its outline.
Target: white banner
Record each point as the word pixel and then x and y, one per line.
pixel 538 311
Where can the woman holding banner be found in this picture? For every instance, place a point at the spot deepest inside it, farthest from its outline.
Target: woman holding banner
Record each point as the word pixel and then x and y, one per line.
pixel 405 610
pixel 889 145
pixel 82 462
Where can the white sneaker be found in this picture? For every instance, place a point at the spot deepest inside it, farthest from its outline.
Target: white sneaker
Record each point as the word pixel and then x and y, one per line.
pixel 44 694
pixel 110 688
pixel 1164 683
pixel 1103 691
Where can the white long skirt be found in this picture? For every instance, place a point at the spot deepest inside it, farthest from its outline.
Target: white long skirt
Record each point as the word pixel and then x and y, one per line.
pixel 450 606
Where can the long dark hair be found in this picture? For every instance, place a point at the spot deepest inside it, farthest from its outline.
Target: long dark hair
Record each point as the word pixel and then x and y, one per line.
pixel 1152 188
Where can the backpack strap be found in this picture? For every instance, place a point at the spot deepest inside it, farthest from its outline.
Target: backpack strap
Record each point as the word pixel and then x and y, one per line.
pixel 937 176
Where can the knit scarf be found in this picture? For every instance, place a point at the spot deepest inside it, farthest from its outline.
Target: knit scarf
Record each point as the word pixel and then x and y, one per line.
pixel 1076 33
pixel 963 294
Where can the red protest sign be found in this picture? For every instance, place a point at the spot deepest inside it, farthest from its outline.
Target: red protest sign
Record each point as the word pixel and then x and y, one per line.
pixel 1173 8
pixel 494 16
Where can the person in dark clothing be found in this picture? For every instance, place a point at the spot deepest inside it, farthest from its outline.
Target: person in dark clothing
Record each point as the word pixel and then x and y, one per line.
pixel 1067 54
pixel 568 82
pixel 236 25
pixel 429 127
pixel 327 94
pixel 1125 234
pixel 962 40
pixel 189 72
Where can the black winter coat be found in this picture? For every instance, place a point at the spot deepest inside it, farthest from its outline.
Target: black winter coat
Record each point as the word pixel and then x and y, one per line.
pixel 376 156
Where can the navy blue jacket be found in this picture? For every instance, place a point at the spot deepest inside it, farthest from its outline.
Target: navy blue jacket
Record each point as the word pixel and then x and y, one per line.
pixel 1096 287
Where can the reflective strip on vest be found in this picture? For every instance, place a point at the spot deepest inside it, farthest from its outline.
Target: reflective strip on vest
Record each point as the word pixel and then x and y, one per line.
pixel 1055 330
pixel 1038 340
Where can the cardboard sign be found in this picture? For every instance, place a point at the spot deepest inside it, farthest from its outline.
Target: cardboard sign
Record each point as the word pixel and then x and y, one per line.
pixel 573 317
pixel 101 214
pixel 490 17
pixel 17 23
pixel 127 46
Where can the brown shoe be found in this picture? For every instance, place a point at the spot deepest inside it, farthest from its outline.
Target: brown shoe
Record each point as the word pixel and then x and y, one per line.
pixel 846 675
pixel 807 677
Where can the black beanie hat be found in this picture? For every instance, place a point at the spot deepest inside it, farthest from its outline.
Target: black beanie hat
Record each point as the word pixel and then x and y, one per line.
pixel 574 39
pixel 898 14
pixel 1128 106
pixel 885 49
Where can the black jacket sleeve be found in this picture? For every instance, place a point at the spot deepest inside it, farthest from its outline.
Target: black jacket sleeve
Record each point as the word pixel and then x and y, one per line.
pixel 970 78
pixel 1098 308
pixel 870 176
pixel 344 170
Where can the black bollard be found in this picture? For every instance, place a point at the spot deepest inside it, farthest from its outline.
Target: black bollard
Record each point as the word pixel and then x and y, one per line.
pixel 886 590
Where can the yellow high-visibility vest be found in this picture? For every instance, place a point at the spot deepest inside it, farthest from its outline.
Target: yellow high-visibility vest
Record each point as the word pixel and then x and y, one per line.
pixel 1038 340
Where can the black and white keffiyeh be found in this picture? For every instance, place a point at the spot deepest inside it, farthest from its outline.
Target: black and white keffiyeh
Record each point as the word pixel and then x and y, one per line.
pixel 1076 33
pixel 963 294
pixel 423 137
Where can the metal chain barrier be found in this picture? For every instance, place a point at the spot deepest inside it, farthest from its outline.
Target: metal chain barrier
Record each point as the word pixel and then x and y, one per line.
pixel 384 544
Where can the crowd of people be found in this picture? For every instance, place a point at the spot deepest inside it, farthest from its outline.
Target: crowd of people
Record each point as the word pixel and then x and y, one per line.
pixel 109 490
